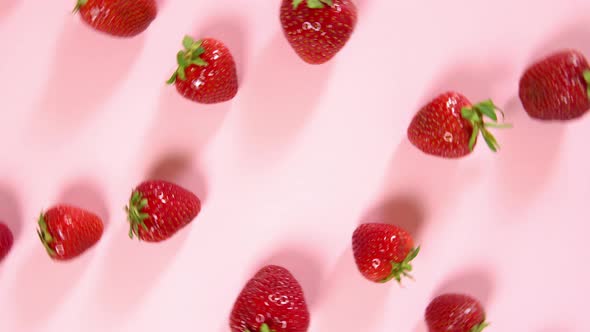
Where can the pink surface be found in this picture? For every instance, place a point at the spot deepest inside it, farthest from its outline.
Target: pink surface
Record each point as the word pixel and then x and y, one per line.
pixel 290 167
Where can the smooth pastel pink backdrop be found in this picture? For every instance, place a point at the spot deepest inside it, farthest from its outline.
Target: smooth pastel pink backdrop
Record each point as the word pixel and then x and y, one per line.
pixel 289 168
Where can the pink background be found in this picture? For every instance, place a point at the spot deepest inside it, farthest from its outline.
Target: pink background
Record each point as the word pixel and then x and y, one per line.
pixel 290 167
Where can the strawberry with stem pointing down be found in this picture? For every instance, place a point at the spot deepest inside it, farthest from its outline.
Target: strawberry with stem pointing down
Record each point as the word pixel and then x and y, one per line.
pixel 206 71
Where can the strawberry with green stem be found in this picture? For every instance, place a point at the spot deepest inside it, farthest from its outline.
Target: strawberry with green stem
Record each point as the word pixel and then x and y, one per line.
pixel 318 29
pixel 120 18
pixel 206 71
pixel 450 125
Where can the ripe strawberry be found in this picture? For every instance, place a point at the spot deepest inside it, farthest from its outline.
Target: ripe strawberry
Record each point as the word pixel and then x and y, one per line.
pixel 120 18
pixel 206 71
pixel 6 240
pixel 455 313
pixel 272 301
pixel 449 125
pixel 67 231
pixel 557 87
pixel 383 252
pixel 318 29
pixel 158 209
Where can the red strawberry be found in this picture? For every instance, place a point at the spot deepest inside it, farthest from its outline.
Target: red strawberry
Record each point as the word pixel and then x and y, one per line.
pixel 272 301
pixel 67 231
pixel 455 313
pixel 6 240
pixel 318 29
pixel 557 87
pixel 121 18
pixel 383 252
pixel 449 125
pixel 158 209
pixel 206 71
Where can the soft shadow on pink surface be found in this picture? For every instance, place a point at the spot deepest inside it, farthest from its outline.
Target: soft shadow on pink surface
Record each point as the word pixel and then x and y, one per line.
pixel 475 281
pixel 182 126
pixel 6 8
pixel 232 30
pixel 475 81
pixel 527 159
pixel 178 168
pixel 304 266
pixel 87 68
pixel 573 35
pixel 406 212
pixel 432 181
pixel 420 327
pixel 351 303
pixel 85 194
pixel 556 328
pixel 42 285
pixel 131 270
pixel 279 99
pixel 10 210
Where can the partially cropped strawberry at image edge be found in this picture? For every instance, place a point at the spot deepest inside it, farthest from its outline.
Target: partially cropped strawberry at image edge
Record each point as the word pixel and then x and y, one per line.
pixel 6 240
pixel 453 312
pixel 317 29
pixel 120 18
pixel 206 71
pixel 556 87
pixel 67 231
pixel 271 301
pixel 449 126
pixel 158 209
pixel 383 252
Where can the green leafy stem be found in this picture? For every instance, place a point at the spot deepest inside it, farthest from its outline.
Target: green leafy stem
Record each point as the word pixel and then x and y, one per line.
pixel 401 269
pixel 135 215
pixel 263 328
pixel 45 236
pixel 190 55
pixel 314 4
pixel 475 115
pixel 79 5
pixel 479 327
pixel 587 79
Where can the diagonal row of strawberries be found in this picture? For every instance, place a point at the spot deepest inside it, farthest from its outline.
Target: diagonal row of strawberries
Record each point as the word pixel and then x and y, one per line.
pixel 555 88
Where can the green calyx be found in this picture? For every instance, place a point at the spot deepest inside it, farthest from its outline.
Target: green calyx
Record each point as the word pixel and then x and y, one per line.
pixel 135 217
pixel 190 55
pixel 401 269
pixel 314 4
pixel 475 115
pixel 479 327
pixel 45 236
pixel 263 328
pixel 587 79
pixel 79 5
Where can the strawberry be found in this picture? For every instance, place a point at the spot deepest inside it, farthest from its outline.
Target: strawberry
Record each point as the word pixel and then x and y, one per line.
pixel 158 209
pixel 556 87
pixel 206 71
pixel 120 18
pixel 455 313
pixel 272 301
pixel 383 252
pixel 67 231
pixel 449 125
pixel 318 29
pixel 6 240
